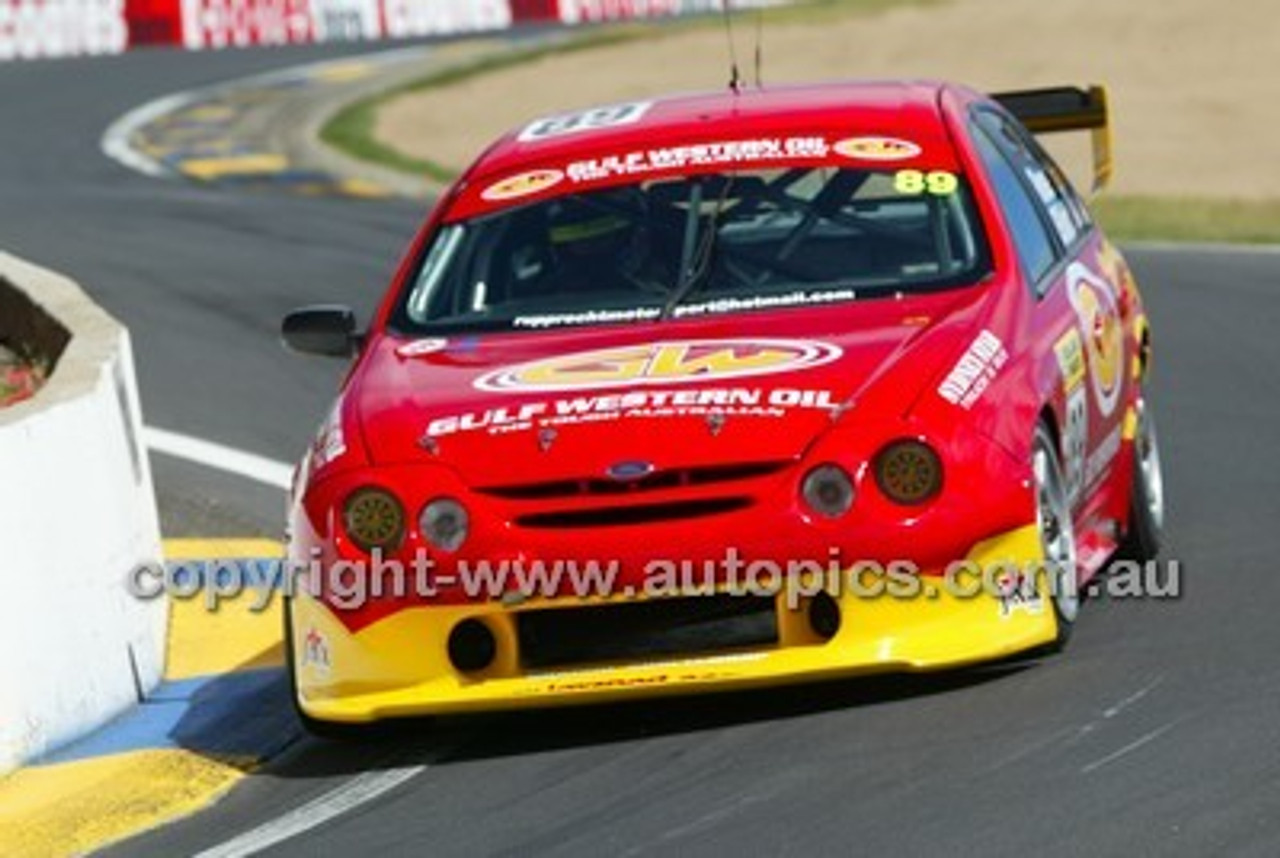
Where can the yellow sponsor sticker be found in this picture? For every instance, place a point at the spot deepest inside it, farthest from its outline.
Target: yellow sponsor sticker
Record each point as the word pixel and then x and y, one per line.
pixel 877 148
pixel 1070 354
pixel 522 185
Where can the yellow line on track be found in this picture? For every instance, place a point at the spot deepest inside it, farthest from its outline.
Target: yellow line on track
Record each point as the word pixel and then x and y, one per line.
pixel 363 189
pixel 211 169
pixel 342 72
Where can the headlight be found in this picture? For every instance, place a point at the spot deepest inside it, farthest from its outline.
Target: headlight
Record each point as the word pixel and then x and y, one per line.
pixel 373 518
pixel 444 524
pixel 828 491
pixel 909 472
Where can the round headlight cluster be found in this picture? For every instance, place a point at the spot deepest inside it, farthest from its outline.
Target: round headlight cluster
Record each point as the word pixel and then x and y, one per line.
pixel 909 472
pixel 444 523
pixel 373 518
pixel 828 491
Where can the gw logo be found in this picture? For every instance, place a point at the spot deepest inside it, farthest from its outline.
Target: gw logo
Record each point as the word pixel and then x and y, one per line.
pixel 661 363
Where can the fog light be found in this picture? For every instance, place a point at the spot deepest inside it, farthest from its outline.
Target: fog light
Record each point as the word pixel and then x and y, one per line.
pixel 828 491
pixel 908 472
pixel 373 518
pixel 472 647
pixel 444 524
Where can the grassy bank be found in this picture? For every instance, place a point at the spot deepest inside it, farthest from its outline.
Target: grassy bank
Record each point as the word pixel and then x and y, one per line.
pixel 352 130
pixel 1126 218
pixel 1190 219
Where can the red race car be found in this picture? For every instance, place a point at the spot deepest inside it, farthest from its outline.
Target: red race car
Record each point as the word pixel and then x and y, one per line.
pixel 726 390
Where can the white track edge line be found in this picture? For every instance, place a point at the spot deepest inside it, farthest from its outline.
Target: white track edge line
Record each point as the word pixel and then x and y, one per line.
pixel 116 141
pixel 219 457
pixel 360 790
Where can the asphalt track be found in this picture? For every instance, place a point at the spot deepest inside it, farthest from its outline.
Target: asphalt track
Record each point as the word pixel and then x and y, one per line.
pixel 1157 733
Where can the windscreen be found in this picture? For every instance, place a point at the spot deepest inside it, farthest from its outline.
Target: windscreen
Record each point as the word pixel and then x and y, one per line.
pixel 698 245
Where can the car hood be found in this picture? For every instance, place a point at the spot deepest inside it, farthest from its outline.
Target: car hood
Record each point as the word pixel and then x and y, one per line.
pixel 585 403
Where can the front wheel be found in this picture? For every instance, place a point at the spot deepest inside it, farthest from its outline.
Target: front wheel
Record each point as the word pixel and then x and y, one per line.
pixel 1057 533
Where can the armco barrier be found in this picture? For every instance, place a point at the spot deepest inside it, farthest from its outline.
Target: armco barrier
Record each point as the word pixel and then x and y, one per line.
pixel 77 513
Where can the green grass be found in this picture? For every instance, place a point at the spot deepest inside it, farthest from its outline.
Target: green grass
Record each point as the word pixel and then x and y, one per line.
pixel 1142 218
pixel 351 130
pixel 817 11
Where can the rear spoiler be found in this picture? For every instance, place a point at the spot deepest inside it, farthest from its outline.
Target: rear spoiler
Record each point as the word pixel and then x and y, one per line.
pixel 1067 108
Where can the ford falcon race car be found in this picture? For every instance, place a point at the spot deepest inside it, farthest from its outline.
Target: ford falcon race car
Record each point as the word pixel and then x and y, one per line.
pixel 726 390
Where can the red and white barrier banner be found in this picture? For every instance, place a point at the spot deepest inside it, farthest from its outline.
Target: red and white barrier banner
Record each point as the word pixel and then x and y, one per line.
pixel 407 18
pixel 591 11
pixel 573 12
pixel 240 23
pixel 225 23
pixel 237 23
pixel 55 28
pixel 32 29
pixel 345 20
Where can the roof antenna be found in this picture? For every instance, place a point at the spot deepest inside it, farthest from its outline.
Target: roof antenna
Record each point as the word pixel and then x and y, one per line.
pixel 759 47
pixel 735 77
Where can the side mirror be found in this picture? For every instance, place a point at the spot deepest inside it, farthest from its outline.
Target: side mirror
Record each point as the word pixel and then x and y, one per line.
pixel 323 329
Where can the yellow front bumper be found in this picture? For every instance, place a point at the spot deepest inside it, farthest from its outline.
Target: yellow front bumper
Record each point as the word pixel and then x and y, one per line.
pixel 399 666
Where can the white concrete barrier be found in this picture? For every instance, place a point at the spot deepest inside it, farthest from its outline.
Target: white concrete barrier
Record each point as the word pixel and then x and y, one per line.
pixel 77 513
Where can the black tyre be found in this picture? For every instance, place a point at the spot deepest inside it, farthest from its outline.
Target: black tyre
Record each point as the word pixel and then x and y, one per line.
pixel 1146 498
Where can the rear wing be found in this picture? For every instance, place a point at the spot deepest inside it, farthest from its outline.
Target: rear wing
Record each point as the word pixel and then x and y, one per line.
pixel 1067 108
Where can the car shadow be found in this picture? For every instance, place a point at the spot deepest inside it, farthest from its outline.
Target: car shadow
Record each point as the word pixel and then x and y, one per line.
pixel 458 739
